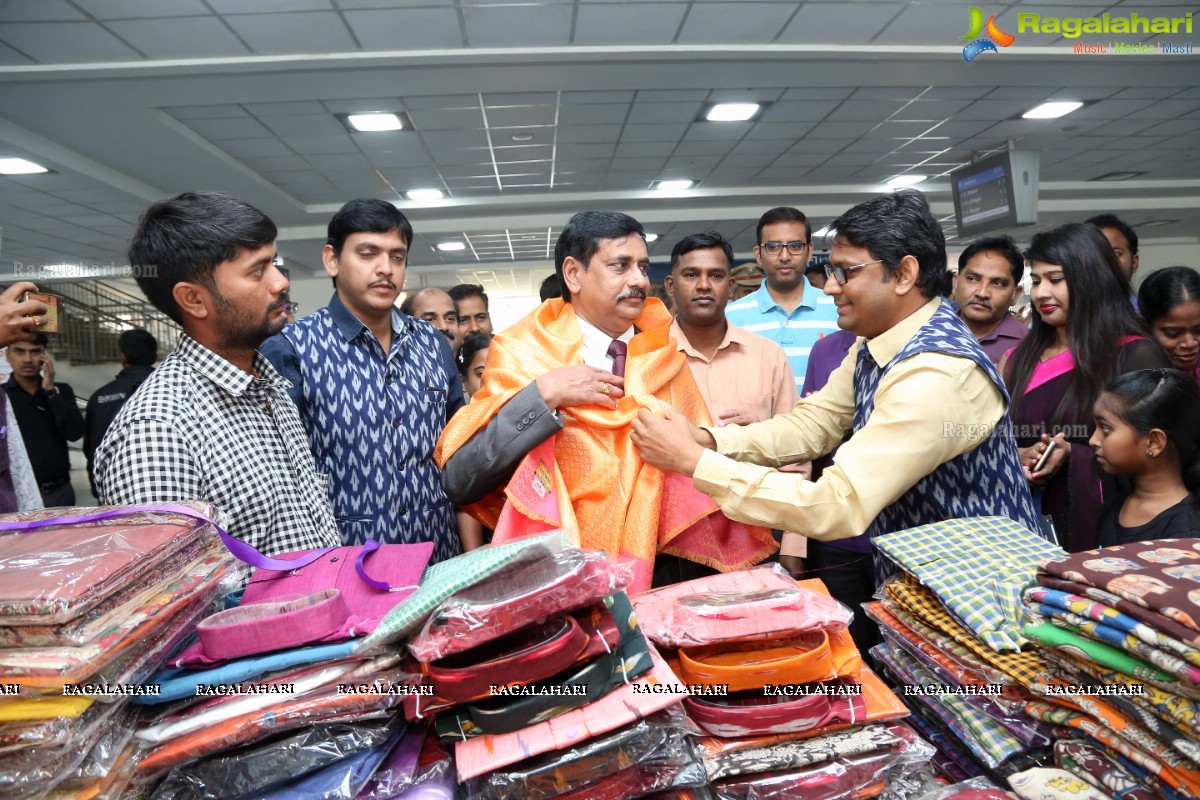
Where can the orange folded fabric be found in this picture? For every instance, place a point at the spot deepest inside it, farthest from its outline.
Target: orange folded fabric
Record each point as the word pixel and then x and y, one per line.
pixel 589 478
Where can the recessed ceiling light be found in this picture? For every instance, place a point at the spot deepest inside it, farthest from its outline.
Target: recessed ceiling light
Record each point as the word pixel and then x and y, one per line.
pixel 821 233
pixel 673 186
pixel 732 112
pixel 370 123
pixel 19 166
pixel 1158 223
pixel 651 237
pixel 451 247
pixel 1053 109
pixel 907 180
pixel 1118 176
pixel 424 194
pixel 522 137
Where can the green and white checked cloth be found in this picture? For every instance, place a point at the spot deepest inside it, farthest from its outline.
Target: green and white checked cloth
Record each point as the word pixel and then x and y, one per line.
pixel 453 575
pixel 978 567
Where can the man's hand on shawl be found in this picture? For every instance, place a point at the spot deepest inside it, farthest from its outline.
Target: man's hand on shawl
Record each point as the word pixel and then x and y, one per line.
pixel 580 385
pixel 671 443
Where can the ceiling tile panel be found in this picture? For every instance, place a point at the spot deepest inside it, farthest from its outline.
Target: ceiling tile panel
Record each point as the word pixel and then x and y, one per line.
pixel 184 37
pixel 67 42
pixel 628 23
pixel 518 26
pixel 269 34
pixel 747 22
pixel 405 29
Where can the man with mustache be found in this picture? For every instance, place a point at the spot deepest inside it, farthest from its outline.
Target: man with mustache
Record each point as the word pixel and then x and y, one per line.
pixel 987 285
pixel 545 443
pixel 374 386
pixel 214 421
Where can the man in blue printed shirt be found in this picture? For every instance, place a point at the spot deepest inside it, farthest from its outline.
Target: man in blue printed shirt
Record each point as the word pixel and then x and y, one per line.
pixel 785 309
pixel 374 387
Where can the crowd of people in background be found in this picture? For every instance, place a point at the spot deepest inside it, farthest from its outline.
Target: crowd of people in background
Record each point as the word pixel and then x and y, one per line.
pixel 791 407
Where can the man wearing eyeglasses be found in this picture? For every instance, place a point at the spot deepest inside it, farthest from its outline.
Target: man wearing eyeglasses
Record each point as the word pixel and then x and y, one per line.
pixel 785 309
pixel 927 407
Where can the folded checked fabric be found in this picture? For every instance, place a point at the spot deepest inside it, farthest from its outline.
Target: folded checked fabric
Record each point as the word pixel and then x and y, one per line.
pixel 1070 641
pixel 1091 763
pixel 1115 637
pixel 977 567
pixel 445 578
pixel 556 584
pixel 285 715
pixel 551 774
pixel 922 603
pixel 952 758
pixel 1146 616
pixel 1051 783
pixel 176 684
pixel 1113 618
pixel 802 753
pixel 621 706
pixel 753 713
pixel 259 768
pixel 584 683
pixel 326 600
pixel 1162 576
pixel 1110 730
pixel 51 574
pixel 759 603
pixel 192 589
pixel 988 739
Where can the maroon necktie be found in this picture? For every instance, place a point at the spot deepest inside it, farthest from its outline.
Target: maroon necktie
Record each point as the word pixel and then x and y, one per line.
pixel 617 350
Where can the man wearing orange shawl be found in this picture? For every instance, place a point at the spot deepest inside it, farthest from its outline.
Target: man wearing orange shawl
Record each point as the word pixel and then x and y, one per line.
pixel 545 444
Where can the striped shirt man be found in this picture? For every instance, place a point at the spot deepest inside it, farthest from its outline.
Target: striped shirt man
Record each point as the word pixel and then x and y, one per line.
pixel 815 318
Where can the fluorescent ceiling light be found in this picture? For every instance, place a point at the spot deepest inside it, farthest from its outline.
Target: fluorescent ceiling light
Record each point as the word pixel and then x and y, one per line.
pixel 732 112
pixel 425 194
pixel 907 180
pixel 1157 223
pixel 673 186
pixel 822 232
pixel 651 237
pixel 375 122
pixel 19 166
pixel 451 247
pixel 1053 110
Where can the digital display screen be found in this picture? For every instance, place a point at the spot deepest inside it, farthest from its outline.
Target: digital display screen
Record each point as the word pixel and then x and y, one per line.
pixel 983 196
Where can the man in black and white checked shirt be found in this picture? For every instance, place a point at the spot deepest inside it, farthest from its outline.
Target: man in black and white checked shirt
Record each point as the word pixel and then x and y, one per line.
pixel 214 421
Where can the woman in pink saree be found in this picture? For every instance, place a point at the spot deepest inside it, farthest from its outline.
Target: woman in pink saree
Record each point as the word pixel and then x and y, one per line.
pixel 1084 333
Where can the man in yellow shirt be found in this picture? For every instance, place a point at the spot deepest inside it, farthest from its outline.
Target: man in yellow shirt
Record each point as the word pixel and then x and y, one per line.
pixel 927 407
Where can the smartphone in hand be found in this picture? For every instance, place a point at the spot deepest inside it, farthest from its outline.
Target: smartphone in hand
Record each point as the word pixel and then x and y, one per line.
pixel 1050 448
pixel 51 301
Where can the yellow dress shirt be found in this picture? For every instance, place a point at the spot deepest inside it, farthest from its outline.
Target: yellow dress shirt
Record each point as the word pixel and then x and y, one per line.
pixel 929 409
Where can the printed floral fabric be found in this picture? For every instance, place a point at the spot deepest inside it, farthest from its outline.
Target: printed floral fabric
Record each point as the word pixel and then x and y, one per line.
pixel 1046 783
pixel 1096 767
pixel 1162 575
pixel 791 755
pixel 1142 614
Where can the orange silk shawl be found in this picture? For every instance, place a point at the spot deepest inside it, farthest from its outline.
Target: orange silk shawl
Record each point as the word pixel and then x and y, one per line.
pixel 589 478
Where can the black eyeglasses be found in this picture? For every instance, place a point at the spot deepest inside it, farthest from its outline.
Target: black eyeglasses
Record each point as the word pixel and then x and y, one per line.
pixel 775 248
pixel 840 274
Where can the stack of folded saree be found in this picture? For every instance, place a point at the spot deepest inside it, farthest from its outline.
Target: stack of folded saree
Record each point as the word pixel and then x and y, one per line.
pixel 272 698
pixel 1121 627
pixel 783 703
pixel 951 623
pixel 540 677
pixel 92 601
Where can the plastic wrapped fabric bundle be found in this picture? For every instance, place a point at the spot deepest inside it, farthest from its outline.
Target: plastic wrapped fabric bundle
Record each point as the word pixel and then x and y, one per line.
pixel 758 603
pixel 255 770
pixel 676 769
pixel 555 773
pixel 52 574
pixel 803 753
pixel 753 713
pixel 287 715
pixel 341 780
pixel 494 607
pixel 399 767
pixel 453 575
pixel 431 778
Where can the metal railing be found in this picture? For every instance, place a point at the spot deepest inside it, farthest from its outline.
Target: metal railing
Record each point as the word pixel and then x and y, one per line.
pixel 93 315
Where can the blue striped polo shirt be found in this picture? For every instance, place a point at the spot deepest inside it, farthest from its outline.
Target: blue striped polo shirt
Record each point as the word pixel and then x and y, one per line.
pixel 815 318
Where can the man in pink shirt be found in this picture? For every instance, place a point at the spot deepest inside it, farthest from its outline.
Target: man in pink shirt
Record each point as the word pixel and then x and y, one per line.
pixel 742 376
